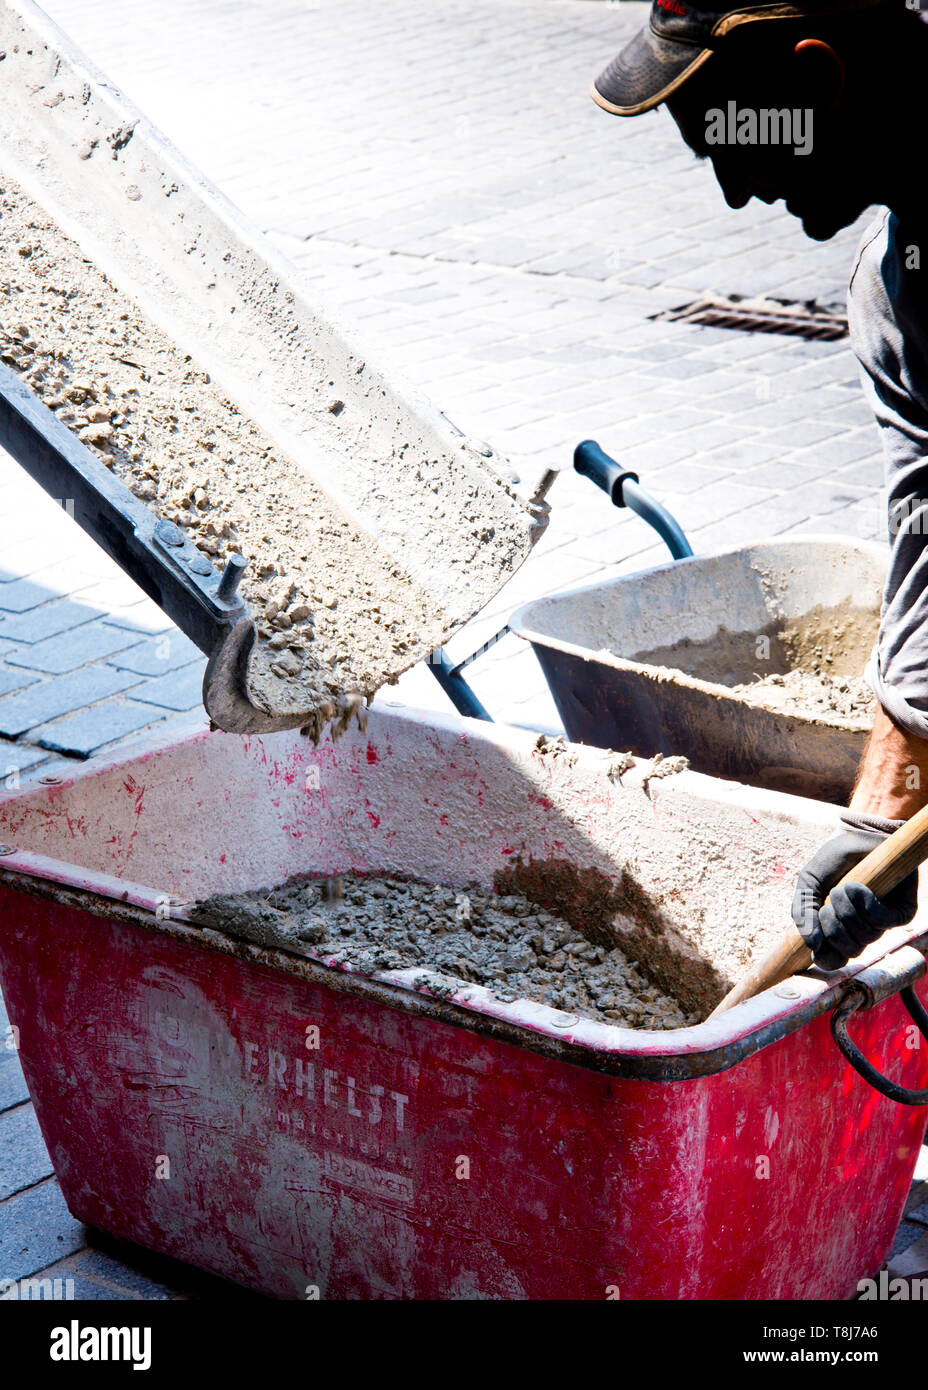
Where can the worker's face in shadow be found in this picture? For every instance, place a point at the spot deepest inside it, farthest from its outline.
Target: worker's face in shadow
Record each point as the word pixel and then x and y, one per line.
pixel 814 172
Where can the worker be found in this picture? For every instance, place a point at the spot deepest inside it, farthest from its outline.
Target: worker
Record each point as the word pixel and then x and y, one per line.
pixel 821 105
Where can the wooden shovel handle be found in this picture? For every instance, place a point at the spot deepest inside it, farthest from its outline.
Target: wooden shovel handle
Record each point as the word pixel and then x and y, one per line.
pixel 883 868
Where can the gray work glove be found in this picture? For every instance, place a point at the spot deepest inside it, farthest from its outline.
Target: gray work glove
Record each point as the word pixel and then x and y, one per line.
pixel 855 916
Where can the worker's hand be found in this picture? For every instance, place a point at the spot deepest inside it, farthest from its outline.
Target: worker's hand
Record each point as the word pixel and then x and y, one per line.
pixel 855 916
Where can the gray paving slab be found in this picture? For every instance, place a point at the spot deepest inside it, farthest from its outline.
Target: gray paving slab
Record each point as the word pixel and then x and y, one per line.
pixel 22 595
pixel 49 698
pixel 57 615
pixel 112 1274
pixel 16 759
pixel 36 1229
pixel 917 1199
pixel 145 617
pixel 158 655
pixel 89 730
pixel 13 1088
pixel 73 1287
pixel 12 679
pixel 179 690
pixel 24 1159
pixel 66 651
pixel 910 1256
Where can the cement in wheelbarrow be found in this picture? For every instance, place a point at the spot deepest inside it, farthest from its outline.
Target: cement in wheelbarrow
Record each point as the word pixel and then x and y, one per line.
pixel 296 1126
pixel 650 661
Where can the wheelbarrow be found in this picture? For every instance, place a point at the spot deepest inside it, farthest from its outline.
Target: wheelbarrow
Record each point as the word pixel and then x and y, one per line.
pixel 623 488
pixel 658 660
pixel 308 1130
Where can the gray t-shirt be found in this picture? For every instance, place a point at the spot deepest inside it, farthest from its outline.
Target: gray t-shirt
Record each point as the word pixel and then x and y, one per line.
pixel 888 315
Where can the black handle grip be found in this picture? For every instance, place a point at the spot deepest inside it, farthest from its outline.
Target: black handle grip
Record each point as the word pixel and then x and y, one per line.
pixel 593 463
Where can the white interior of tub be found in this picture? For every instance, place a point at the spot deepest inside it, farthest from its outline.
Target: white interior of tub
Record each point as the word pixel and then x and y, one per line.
pixel 444 800
pixel 745 590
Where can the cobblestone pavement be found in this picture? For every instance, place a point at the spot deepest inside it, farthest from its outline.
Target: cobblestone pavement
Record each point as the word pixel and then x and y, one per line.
pixel 441 178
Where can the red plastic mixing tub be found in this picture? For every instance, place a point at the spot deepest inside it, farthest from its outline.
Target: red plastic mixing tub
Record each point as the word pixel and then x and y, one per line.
pixel 297 1127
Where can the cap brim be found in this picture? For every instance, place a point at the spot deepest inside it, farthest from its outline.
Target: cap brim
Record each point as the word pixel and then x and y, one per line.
pixel 645 73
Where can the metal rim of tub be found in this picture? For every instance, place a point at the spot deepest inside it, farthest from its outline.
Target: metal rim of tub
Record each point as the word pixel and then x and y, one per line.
pixel 607 1051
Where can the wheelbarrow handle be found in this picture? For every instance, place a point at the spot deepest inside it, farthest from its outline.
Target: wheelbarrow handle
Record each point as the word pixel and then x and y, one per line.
pixel 624 489
pixel 880 871
pixel 594 463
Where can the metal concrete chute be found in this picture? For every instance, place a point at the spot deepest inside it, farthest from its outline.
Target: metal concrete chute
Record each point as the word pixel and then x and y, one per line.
pixel 439 509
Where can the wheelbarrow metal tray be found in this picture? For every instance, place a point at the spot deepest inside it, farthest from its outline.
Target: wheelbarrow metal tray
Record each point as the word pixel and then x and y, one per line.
pixel 607 652
pixel 423 1144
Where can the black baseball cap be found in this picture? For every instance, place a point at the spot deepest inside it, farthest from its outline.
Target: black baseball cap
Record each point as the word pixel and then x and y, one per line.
pixel 681 37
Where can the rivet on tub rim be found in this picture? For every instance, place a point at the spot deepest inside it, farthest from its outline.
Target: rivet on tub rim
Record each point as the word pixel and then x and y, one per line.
pixel 50 781
pixel 7 849
pixel 565 1020
pixel 788 992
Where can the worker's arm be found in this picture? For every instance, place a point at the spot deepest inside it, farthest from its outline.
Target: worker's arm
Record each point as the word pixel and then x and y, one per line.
pixel 888 318
pixel 893 777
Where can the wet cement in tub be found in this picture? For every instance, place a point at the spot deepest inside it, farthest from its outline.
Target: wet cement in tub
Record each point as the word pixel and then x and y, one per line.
pixel 809 667
pixel 502 941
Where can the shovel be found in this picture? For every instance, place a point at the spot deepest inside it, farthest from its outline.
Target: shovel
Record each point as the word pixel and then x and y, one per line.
pixel 881 870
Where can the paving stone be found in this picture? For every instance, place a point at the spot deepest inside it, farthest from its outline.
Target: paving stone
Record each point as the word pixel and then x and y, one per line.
pixel 158 655
pixel 24 1159
pixel 755 523
pixel 909 1255
pixel 39 623
pixel 12 679
pixel 23 595
pixel 13 1088
pixel 21 558
pixel 151 1275
pixel 799 434
pixel 48 699
pixel 17 760
pixel 117 594
pixel 75 1287
pixel 689 476
pixel 907 1234
pixel 82 734
pixel 180 690
pixel 916 1207
pixel 36 1229
pixel 113 1274
pixel 785 472
pixel 743 456
pixel 868 474
pixel 778 411
pixel 145 617
pixel 66 651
